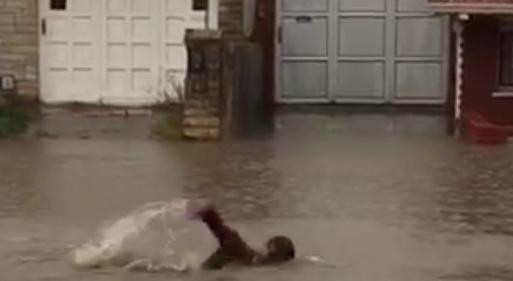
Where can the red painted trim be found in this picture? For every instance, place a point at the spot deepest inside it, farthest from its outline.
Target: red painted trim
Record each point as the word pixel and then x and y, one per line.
pixel 481 71
pixel 469 7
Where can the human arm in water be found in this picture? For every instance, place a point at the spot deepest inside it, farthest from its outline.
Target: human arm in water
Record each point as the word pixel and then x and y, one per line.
pixel 232 247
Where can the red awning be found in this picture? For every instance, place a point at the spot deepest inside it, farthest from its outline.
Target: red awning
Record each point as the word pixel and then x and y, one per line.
pixel 472 6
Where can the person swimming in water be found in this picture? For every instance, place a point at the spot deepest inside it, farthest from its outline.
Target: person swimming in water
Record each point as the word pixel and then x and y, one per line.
pixel 232 248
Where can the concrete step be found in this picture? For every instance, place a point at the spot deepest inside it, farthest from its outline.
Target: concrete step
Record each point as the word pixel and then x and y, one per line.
pixel 199 103
pixel 193 112
pixel 202 122
pixel 479 130
pixel 202 134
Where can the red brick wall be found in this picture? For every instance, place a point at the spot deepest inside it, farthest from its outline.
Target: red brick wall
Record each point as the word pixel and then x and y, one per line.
pixel 480 71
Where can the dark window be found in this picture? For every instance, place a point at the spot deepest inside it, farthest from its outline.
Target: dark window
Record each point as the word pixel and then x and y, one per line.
pixel 506 58
pixel 200 5
pixel 58 4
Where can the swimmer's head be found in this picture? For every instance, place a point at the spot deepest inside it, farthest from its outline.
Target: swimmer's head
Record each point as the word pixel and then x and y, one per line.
pixel 279 249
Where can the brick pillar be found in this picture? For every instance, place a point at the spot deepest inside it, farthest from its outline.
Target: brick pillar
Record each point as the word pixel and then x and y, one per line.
pixel 19 44
pixel 203 104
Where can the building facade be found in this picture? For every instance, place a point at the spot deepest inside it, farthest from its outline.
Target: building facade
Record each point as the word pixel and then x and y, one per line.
pixel 316 51
pixel 483 66
pixel 103 52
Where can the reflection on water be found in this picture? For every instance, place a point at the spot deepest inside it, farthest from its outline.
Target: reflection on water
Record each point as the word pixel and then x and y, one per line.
pixel 398 203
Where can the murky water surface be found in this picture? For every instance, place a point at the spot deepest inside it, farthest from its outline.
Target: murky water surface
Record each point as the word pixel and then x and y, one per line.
pixel 379 198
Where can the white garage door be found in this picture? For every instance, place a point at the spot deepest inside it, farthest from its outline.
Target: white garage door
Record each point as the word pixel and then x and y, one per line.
pixel 121 52
pixel 364 51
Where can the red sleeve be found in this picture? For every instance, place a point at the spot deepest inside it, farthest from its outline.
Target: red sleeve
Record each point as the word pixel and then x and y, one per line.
pixel 216 225
pixel 228 238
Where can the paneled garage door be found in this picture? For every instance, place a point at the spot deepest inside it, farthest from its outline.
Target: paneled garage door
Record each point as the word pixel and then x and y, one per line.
pixel 362 51
pixel 120 52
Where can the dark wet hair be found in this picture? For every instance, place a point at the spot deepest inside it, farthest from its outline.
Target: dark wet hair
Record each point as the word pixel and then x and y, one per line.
pixel 281 250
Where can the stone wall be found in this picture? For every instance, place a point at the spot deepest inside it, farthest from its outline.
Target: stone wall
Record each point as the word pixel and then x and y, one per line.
pixel 204 102
pixel 19 43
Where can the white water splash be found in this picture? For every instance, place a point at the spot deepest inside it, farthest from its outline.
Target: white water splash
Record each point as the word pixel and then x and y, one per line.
pixel 155 237
pixel 320 261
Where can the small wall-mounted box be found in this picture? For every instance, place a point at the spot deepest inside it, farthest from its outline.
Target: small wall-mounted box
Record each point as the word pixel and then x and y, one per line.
pixel 7 84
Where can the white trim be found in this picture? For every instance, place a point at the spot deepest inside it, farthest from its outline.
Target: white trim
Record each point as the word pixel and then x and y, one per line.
pixel 213 14
pixel 463 17
pixel 41 48
pixel 459 26
pixel 502 94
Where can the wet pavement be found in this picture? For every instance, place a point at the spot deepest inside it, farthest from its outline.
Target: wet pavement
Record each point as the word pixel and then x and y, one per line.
pixel 380 197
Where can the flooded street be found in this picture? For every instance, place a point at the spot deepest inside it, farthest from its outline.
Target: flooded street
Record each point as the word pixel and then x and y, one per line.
pixel 377 197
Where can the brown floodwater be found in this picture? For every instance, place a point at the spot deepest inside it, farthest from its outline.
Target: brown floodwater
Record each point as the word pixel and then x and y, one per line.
pixel 378 197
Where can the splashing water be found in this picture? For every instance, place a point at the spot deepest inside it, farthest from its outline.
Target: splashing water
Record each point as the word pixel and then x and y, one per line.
pixel 320 261
pixel 157 236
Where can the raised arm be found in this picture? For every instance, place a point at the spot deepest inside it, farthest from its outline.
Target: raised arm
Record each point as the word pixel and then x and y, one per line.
pixel 207 213
pixel 231 244
pixel 211 217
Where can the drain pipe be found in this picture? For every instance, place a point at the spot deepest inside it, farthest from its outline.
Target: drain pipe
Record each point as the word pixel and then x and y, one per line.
pixel 458 29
